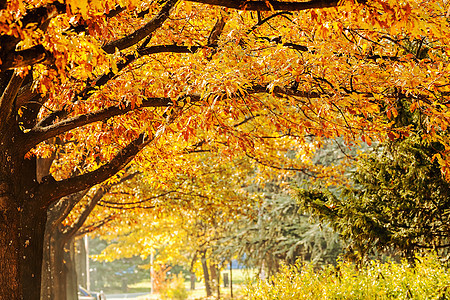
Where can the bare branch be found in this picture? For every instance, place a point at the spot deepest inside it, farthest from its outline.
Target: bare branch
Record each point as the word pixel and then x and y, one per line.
pixel 261 22
pixel 216 31
pixel 101 191
pixel 97 225
pixel 304 171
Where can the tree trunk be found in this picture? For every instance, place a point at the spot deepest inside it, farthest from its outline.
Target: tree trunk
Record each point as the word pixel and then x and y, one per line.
pixel 21 247
pixel 231 279
pixel 192 277
pixel 206 275
pixel 213 275
pixel 9 247
pixel 58 272
pixel 54 272
pixel 32 236
pixel 22 225
pixel 71 278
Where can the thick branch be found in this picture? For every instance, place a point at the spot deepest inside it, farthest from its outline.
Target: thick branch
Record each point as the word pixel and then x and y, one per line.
pixel 38 16
pixel 40 134
pixel 61 209
pixel 216 31
pixel 27 57
pixel 274 5
pixel 7 99
pixel 52 190
pixel 280 90
pixel 142 32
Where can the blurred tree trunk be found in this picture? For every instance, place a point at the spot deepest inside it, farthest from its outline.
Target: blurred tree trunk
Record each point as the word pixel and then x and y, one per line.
pixel 206 274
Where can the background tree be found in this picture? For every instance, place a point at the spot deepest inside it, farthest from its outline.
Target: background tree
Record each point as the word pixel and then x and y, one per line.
pixel 164 219
pixel 397 200
pixel 276 232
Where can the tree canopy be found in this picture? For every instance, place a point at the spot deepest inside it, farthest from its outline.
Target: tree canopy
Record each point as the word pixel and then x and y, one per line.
pixel 98 81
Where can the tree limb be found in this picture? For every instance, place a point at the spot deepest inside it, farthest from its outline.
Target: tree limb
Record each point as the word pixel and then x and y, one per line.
pixel 101 191
pixel 274 5
pixel 216 31
pixel 33 19
pixel 40 15
pixel 7 99
pixel 52 190
pixel 97 225
pixel 63 208
pixel 40 134
pixel 142 32
pixel 27 57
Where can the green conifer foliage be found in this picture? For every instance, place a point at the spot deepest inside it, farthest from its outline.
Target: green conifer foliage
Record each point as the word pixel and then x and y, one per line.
pixel 399 199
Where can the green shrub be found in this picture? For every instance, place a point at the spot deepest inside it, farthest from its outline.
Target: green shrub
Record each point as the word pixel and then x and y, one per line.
pixel 174 289
pixel 427 280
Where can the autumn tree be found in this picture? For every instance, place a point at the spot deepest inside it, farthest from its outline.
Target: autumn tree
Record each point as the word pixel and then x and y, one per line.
pixel 226 76
pixel 180 220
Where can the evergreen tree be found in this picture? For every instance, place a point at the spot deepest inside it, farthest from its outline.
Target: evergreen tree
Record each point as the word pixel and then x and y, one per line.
pixel 399 199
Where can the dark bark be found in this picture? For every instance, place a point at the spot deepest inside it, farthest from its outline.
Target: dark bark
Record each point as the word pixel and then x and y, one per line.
pixel 27 57
pixel 10 283
pixel 32 236
pixel 22 226
pixel 53 190
pixel 142 32
pixel 206 275
pixel 7 100
pixel 274 5
pixel 71 277
pixel 231 279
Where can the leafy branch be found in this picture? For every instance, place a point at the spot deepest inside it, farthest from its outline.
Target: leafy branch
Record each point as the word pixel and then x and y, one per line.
pixel 52 190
